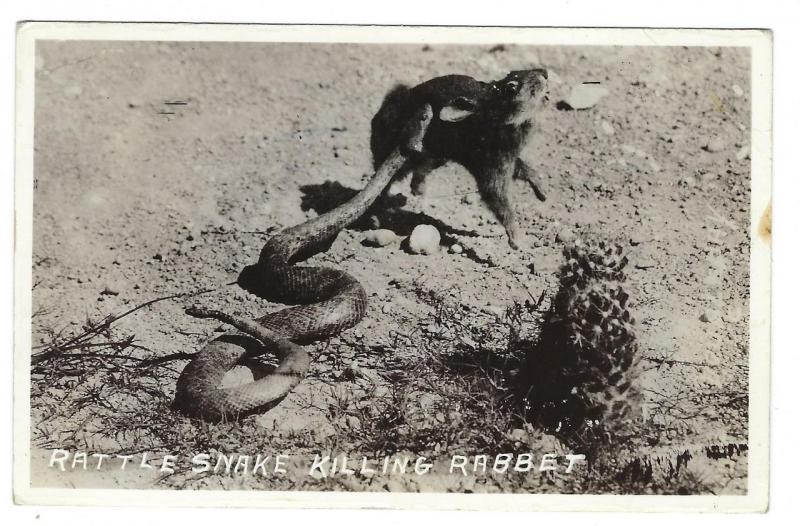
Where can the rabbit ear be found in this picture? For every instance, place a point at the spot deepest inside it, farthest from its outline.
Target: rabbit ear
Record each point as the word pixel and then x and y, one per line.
pixel 459 109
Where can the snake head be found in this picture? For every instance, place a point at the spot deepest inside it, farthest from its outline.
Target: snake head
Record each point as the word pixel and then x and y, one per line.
pixel 415 130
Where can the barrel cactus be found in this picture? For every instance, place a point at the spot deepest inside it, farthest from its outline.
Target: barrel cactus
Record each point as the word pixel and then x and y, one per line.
pixel 579 379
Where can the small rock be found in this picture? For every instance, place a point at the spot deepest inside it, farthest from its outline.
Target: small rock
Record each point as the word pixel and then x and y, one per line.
pixel 380 237
pixel 704 318
pixel 468 199
pixel 455 248
pixel 737 90
pixel 565 235
pixel 424 240
pixel 689 181
pixel 607 127
pixel 584 96
pixel 387 308
pixel 715 145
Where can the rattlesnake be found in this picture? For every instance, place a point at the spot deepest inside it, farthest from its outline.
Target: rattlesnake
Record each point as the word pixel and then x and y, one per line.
pixel 326 301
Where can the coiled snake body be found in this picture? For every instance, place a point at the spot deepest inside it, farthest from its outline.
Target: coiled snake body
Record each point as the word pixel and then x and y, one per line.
pixel 326 301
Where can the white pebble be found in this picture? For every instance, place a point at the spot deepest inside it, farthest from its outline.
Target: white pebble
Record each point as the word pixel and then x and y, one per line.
pixel 455 248
pixel 737 90
pixel 380 238
pixel 424 240
pixel 607 127
pixel 585 96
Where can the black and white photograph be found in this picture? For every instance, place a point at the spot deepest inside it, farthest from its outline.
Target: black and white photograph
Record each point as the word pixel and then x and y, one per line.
pixel 400 264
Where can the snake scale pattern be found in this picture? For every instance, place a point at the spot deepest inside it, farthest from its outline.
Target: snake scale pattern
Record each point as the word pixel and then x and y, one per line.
pixel 326 301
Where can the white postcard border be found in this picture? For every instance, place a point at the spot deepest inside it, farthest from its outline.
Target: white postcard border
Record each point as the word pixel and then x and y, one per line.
pixel 760 42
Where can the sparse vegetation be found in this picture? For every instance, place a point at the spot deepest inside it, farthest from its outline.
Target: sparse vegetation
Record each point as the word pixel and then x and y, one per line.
pixel 458 394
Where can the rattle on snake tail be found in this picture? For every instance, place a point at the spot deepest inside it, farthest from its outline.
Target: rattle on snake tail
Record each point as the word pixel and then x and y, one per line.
pixel 326 301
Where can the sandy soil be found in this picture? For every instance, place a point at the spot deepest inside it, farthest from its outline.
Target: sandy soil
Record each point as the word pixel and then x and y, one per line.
pixel 138 197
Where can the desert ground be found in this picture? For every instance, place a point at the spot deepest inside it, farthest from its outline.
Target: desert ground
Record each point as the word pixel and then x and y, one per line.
pixel 161 168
